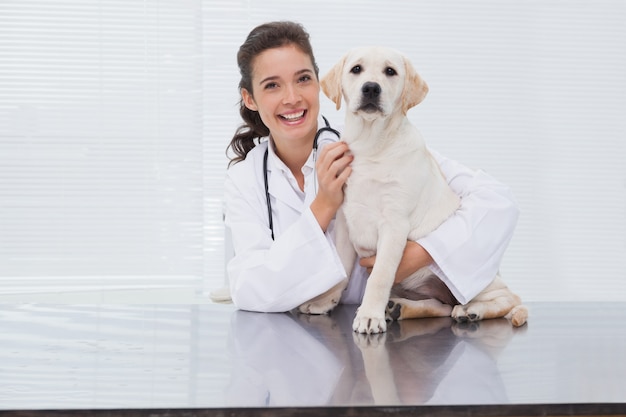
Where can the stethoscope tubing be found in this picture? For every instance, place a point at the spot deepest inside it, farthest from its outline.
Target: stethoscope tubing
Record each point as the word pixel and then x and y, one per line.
pixel 326 128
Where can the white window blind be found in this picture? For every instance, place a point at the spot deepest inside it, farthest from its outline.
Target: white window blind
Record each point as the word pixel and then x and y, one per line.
pixel 114 117
pixel 101 179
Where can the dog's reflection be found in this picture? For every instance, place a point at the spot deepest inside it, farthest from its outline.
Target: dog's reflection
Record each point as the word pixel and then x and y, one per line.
pixel 296 359
pixel 436 361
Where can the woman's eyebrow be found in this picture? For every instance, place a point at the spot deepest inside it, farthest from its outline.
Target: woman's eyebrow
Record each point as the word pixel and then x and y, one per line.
pixel 303 71
pixel 275 77
pixel 271 78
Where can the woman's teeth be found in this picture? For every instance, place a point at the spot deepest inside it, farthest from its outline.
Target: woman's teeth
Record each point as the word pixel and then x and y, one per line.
pixel 293 116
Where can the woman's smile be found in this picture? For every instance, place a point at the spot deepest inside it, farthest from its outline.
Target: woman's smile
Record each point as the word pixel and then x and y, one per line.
pixel 294 117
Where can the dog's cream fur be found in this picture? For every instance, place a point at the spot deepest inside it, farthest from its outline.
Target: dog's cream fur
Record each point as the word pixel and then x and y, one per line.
pixel 395 192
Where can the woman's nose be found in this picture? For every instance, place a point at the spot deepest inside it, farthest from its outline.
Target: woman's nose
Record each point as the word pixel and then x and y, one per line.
pixel 292 95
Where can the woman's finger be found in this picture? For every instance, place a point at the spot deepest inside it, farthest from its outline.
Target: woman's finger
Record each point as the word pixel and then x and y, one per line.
pixel 331 152
pixel 333 162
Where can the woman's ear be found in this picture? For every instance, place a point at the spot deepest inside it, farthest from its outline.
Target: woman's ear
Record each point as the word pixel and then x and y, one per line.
pixel 248 100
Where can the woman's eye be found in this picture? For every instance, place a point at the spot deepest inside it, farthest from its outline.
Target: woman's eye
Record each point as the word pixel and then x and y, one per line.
pixel 269 86
pixel 356 69
pixel 305 78
pixel 390 71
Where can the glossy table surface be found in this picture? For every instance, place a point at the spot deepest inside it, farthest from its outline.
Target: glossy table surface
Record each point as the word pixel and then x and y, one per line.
pixel 212 359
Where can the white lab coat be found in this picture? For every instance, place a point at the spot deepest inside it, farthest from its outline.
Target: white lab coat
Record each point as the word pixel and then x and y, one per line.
pixel 302 262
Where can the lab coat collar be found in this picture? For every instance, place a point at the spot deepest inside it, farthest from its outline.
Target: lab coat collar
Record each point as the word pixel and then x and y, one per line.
pixel 279 186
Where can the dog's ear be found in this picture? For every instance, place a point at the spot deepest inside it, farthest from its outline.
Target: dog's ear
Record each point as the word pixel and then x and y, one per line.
pixel 331 83
pixel 415 88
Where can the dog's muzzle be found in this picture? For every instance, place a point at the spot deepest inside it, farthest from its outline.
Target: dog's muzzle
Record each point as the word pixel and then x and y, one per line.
pixel 370 97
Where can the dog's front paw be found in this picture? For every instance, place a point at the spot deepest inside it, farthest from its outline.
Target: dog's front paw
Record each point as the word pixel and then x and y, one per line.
pixel 369 323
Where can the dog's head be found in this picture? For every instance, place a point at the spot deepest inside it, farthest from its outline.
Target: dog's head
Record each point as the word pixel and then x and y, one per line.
pixel 374 82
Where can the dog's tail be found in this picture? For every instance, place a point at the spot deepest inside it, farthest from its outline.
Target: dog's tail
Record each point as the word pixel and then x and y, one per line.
pixel 518 315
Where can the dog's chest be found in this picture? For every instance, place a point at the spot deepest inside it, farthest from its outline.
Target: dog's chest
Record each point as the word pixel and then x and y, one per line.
pixel 374 184
pixel 374 194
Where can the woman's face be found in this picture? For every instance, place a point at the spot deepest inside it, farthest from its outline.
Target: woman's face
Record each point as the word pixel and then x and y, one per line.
pixel 285 92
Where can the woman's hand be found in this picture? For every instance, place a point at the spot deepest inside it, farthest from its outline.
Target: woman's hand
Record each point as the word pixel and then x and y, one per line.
pixel 414 257
pixel 332 170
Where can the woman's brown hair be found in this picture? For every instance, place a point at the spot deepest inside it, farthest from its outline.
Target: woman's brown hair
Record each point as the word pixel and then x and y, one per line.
pixel 263 37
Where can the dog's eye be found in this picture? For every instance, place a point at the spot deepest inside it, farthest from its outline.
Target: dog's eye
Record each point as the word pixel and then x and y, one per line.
pixel 356 69
pixel 390 71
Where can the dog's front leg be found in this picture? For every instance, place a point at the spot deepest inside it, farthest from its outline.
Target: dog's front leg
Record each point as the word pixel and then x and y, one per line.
pixel 370 317
pixel 325 302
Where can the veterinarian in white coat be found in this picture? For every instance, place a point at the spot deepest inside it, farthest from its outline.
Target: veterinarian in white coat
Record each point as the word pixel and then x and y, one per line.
pixel 277 270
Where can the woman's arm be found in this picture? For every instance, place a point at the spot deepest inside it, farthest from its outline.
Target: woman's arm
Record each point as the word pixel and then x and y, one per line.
pixel 414 257
pixel 332 170
pixel 279 275
pixel 276 275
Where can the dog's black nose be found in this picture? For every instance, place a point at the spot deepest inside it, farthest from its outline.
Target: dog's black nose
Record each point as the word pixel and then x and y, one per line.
pixel 371 90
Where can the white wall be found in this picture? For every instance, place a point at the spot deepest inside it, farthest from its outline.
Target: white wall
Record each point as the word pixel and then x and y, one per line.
pixel 533 92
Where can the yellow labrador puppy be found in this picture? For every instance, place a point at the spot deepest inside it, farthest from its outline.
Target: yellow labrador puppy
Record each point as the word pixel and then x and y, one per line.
pixel 395 192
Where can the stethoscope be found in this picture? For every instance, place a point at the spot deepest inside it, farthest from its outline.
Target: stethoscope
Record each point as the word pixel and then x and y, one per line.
pixel 326 128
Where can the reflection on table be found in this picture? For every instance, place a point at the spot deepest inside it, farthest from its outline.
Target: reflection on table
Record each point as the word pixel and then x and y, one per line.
pixel 295 359
pixel 568 358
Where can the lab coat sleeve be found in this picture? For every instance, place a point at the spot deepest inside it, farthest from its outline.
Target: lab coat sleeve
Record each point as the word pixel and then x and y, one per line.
pixel 275 276
pixel 468 247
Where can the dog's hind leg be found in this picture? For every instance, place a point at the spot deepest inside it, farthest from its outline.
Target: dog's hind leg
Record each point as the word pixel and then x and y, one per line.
pixel 518 315
pixel 507 305
pixel 495 301
pixel 402 308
